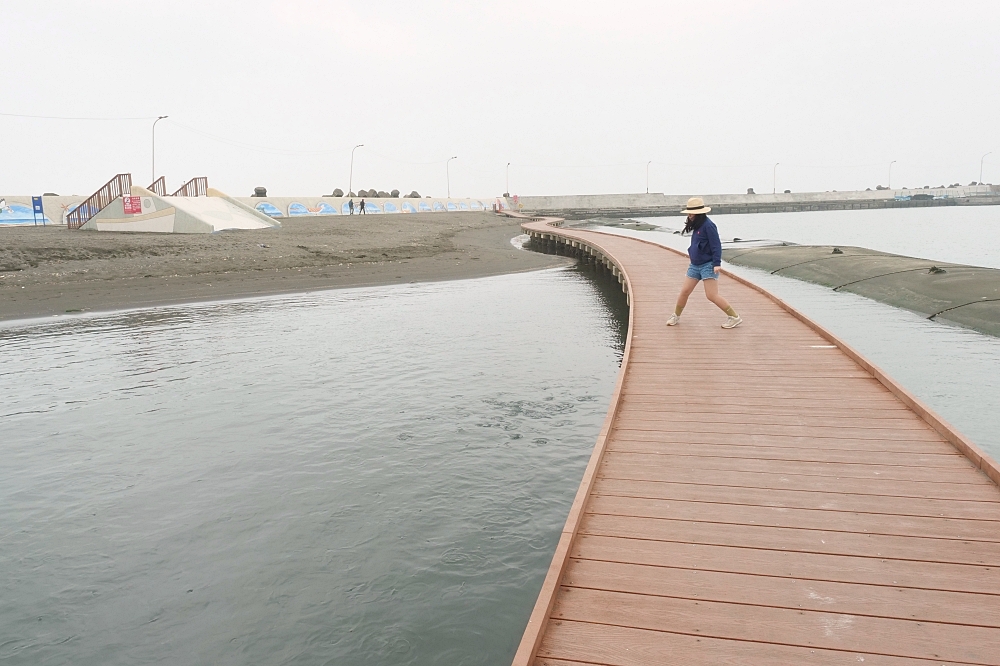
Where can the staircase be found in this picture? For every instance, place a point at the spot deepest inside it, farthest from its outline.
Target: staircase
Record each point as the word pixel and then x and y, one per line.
pixel 196 187
pixel 118 186
pixel 159 186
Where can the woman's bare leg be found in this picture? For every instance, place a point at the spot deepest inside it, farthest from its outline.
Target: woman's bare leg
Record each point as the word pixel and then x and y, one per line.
pixel 712 294
pixel 686 290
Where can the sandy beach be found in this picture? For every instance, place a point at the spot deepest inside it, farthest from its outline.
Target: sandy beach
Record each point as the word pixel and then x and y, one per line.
pixel 50 270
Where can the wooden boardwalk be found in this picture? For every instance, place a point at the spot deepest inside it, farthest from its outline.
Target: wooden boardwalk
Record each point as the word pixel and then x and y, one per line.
pixel 763 495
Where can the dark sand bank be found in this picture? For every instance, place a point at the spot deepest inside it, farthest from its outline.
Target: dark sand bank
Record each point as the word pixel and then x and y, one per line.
pixel 965 295
pixel 50 270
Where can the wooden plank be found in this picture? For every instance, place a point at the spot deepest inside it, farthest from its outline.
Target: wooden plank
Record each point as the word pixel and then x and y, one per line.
pixel 944 576
pixel 982 610
pixel 798 417
pixel 876 487
pixel 812 432
pixel 788 441
pixel 569 642
pixel 776 440
pixel 799 628
pixel 916 549
pixel 800 499
pixel 825 519
pixel 966 474
pixel 942 456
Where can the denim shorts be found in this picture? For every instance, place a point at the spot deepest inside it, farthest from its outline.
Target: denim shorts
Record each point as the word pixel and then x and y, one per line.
pixel 702 272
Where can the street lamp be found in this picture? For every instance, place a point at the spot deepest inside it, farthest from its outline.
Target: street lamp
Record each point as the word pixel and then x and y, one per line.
pixel 507 192
pixel 981 167
pixel 774 178
pixel 154 146
pixel 350 179
pixel 448 173
pixel 647 175
pixel 890 173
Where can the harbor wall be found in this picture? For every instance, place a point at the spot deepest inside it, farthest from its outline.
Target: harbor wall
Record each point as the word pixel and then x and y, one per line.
pixel 671 204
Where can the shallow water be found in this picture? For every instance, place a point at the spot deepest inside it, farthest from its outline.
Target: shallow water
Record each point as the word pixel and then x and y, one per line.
pixel 365 476
pixel 955 371
pixel 956 234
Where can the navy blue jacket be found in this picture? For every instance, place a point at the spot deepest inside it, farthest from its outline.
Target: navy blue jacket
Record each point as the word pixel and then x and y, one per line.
pixel 705 245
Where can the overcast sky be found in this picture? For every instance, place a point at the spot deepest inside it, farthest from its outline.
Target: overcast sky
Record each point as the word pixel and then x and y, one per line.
pixel 578 96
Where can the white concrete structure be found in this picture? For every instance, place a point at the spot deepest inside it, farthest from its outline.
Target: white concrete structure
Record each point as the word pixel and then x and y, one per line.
pixel 179 215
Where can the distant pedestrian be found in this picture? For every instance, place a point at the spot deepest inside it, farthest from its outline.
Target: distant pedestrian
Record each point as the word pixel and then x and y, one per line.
pixel 706 261
pixel 361 208
pixel 350 206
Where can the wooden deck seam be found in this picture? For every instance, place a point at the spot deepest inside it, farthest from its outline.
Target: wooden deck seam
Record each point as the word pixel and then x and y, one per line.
pixel 777 606
pixel 877 556
pixel 776 506
pixel 856 494
pixel 991 595
pixel 829 530
pixel 681 454
pixel 806 646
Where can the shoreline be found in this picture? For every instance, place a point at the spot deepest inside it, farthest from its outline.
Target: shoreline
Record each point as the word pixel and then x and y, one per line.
pixel 71 272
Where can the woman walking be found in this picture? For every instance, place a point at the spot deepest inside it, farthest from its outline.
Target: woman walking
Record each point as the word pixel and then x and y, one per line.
pixel 706 260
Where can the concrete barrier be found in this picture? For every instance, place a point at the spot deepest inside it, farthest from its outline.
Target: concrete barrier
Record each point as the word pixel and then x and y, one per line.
pixel 652 205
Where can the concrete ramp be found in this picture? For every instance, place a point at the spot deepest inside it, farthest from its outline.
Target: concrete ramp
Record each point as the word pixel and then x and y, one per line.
pixel 178 215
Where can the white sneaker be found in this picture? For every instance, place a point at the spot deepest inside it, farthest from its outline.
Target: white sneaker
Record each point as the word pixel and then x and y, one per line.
pixel 674 320
pixel 733 322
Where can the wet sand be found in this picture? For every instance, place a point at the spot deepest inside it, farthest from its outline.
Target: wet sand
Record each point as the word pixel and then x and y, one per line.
pixel 50 270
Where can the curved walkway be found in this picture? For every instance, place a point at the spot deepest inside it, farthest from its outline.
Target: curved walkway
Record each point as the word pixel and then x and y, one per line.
pixel 763 495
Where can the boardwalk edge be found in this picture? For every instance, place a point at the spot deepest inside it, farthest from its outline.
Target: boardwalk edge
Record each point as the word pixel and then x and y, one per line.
pixel 533 633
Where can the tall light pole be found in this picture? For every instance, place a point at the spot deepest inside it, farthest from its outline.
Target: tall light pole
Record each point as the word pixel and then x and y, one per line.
pixel 981 167
pixel 350 179
pixel 507 192
pixel 647 175
pixel 448 173
pixel 154 146
pixel 890 173
pixel 774 178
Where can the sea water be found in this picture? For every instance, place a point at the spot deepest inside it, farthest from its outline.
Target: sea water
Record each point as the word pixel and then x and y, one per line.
pixel 362 476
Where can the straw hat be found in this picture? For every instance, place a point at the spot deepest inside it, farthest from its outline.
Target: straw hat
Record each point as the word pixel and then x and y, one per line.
pixel 696 206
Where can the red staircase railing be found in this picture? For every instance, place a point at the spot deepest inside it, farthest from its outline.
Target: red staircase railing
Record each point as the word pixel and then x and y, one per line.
pixel 159 186
pixel 118 186
pixel 196 187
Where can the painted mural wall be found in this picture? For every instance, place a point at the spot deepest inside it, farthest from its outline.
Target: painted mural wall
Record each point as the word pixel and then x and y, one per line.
pixel 303 206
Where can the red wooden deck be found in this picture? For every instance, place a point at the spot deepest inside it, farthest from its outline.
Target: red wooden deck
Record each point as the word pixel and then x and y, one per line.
pixel 764 495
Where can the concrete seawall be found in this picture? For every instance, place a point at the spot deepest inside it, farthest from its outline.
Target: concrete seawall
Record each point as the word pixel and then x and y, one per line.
pixel 655 205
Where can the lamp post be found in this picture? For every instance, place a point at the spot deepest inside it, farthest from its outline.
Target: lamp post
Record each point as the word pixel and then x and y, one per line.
pixel 774 178
pixel 507 191
pixel 153 180
pixel 647 175
pixel 890 173
pixel 350 179
pixel 447 173
pixel 980 181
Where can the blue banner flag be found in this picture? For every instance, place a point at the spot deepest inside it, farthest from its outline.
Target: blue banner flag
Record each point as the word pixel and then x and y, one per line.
pixel 36 209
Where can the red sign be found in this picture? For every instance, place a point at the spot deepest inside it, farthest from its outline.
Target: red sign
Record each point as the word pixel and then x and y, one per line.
pixel 132 205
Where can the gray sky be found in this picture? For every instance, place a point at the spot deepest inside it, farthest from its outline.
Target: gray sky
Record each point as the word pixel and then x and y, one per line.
pixel 577 95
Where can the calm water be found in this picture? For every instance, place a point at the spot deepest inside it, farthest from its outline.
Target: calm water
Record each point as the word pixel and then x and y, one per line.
pixel 954 370
pixel 368 476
